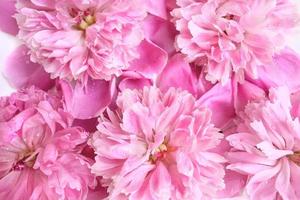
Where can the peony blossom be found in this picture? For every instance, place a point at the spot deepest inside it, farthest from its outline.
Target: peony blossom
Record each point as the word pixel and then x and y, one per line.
pixel 232 36
pixel 266 146
pixel 39 151
pixel 80 39
pixel 158 146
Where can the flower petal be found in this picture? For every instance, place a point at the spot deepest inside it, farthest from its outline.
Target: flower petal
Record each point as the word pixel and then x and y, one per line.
pixel 87 101
pixel 21 72
pixel 152 59
pixel 8 23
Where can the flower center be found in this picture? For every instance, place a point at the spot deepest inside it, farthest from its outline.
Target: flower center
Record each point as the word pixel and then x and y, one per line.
pixel 159 153
pixel 86 22
pixel 26 160
pixel 83 19
pixel 229 17
pixel 295 157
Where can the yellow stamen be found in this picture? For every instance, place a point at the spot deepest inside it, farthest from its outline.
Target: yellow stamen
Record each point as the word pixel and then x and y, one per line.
pixel 86 22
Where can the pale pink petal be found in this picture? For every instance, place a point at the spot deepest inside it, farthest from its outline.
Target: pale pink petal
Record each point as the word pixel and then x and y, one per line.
pixel 283 182
pixel 160 183
pixel 157 7
pixel 285 70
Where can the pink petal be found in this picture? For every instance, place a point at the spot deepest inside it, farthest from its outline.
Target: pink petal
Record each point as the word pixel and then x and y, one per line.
pixel 220 100
pixel 88 124
pixel 234 183
pixel 98 193
pixel 50 153
pixel 285 70
pixel 157 7
pixel 160 183
pixel 133 80
pixel 244 93
pixel 21 72
pixel 283 182
pixel 271 152
pixel 161 32
pixel 295 173
pixel 87 101
pixel 8 23
pixel 152 59
pixel 264 175
pixel 178 74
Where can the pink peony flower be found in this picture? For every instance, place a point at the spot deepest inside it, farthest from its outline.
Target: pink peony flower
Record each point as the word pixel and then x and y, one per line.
pixel 232 36
pixel 39 151
pixel 267 146
pixel 79 39
pixel 158 146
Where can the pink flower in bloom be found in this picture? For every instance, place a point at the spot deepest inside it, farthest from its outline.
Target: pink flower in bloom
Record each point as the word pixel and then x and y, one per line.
pixel 39 151
pixel 79 39
pixel 267 146
pixel 232 36
pixel 158 146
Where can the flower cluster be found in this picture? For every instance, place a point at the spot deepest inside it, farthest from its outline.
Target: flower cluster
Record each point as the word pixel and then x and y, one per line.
pixel 151 100
pixel 40 150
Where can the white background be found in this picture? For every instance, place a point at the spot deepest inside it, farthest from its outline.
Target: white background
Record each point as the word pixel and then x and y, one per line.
pixel 9 43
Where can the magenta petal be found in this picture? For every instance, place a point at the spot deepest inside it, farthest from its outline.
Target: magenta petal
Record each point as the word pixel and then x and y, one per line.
pixel 161 32
pixel 88 124
pixel 133 80
pixel 87 101
pixel 152 59
pixel 8 24
pixel 244 93
pixel 177 73
pixel 21 72
pixel 220 100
